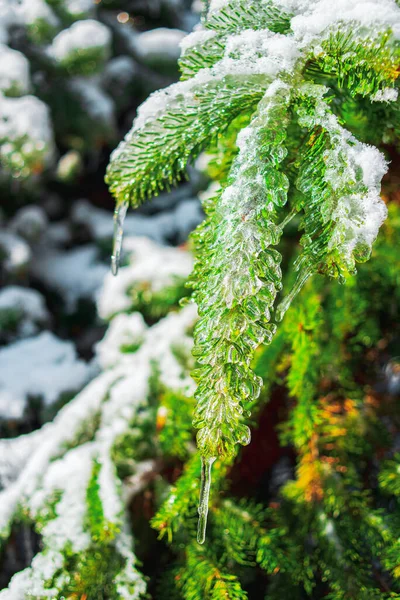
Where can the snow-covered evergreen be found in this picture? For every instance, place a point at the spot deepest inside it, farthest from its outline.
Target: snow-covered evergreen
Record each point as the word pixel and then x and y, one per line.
pixel 282 65
pixel 62 477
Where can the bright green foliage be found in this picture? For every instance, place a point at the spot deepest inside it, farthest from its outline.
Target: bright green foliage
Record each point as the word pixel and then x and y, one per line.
pixel 302 327
pixel 100 530
pixel 129 174
pixel 275 96
pixel 389 477
pixel 361 64
pixel 229 330
pixel 176 514
pixel 328 528
pixel 286 105
pixel 156 304
pixel 332 530
pixel 161 427
pixel 93 574
pixel 202 578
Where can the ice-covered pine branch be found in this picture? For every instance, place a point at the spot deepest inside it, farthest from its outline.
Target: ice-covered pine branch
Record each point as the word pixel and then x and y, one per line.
pixel 288 67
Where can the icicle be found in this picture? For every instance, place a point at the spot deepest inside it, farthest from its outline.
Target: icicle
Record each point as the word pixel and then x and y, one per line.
pixel 119 218
pixel 286 302
pixel 206 464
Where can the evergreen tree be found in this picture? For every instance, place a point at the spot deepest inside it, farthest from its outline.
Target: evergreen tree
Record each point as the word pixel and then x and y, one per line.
pixel 291 100
pixel 281 76
pixel 69 70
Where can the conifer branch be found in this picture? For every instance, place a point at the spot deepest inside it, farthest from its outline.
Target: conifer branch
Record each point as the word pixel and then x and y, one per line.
pixel 203 577
pixel 155 153
pixel 256 60
pixel 234 297
pixel 239 15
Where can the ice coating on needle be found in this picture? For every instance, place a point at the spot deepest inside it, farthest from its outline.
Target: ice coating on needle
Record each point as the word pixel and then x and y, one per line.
pixel 225 380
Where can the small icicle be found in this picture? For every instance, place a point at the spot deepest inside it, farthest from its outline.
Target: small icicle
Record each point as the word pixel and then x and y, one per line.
pixel 119 218
pixel 206 464
pixel 286 302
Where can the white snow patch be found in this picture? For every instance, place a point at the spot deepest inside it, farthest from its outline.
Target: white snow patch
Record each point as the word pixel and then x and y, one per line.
pixel 386 95
pixel 32 11
pixel 14 454
pixel 74 274
pixel 14 72
pixel 159 267
pixel 358 220
pixel 43 366
pixel 26 120
pixel 69 474
pixel 196 38
pixel 8 17
pixel 160 44
pixel 359 211
pixel 82 35
pixel 124 330
pixel 77 8
pixel 18 254
pixel 316 17
pixel 217 5
pixel 52 438
pixel 28 304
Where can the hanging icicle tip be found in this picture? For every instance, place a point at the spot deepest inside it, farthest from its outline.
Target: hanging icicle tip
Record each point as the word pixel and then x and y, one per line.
pixel 119 218
pixel 205 486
